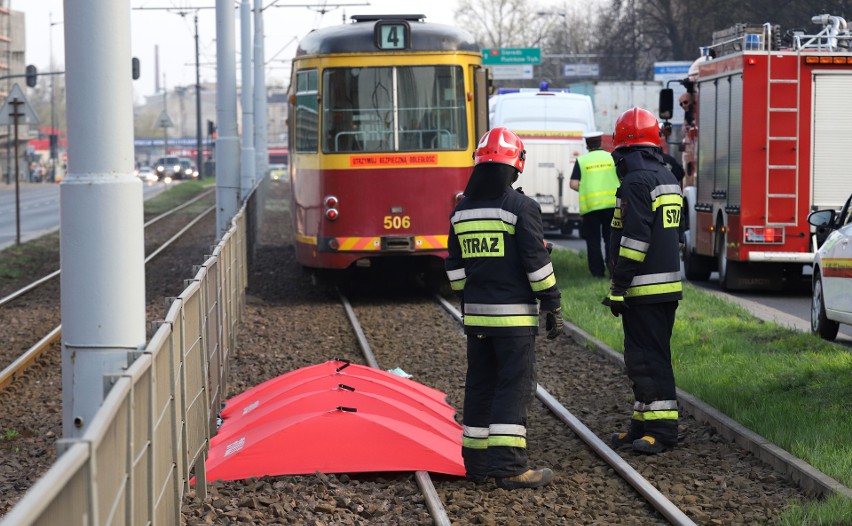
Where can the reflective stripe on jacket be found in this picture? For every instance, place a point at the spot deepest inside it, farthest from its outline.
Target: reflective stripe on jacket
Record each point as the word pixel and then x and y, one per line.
pixel 598 181
pixel 645 243
pixel 498 262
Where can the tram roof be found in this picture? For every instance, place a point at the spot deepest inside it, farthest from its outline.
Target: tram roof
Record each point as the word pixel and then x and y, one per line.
pixel 358 37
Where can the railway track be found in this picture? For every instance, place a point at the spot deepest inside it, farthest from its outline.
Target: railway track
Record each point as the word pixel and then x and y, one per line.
pixel 289 324
pixel 656 510
pixel 20 363
pixel 30 380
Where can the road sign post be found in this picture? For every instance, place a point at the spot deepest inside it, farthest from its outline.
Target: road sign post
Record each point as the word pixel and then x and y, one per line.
pixel 165 122
pixel 17 110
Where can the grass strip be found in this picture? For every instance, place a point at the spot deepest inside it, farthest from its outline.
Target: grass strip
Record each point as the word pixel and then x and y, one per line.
pixel 790 387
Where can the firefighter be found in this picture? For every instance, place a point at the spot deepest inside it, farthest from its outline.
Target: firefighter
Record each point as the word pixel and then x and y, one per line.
pixel 594 177
pixel 500 266
pixel 646 281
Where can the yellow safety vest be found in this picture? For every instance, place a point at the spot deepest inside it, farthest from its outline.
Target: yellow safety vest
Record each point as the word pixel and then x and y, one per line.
pixel 598 181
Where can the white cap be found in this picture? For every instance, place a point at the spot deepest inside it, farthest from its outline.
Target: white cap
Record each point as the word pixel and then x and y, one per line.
pixel 592 135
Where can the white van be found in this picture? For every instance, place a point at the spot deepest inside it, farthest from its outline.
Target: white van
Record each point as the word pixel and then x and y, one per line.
pixel 551 124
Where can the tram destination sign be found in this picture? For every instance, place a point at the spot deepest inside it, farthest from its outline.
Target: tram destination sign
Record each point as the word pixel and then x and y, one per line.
pixel 509 56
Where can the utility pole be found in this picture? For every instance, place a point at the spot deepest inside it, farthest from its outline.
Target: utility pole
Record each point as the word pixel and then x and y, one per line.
pixel 198 137
pixel 198 156
pixel 53 140
pixel 165 112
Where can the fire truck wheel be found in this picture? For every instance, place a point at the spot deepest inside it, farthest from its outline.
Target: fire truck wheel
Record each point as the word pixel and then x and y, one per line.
pixel 820 324
pixel 695 267
pixel 728 270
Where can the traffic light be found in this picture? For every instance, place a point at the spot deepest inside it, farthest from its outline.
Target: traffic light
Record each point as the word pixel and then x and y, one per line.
pixel 211 128
pixel 32 76
pixel 53 141
pixel 134 66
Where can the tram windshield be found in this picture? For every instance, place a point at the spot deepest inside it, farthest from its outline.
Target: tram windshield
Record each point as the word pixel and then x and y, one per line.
pixel 387 109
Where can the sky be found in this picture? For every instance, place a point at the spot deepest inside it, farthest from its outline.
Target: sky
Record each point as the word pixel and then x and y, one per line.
pixel 174 34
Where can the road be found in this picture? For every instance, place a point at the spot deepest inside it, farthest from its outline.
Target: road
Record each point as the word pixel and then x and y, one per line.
pixel 39 210
pixel 788 308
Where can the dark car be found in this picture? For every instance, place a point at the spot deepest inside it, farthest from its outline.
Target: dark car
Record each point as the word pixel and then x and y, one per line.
pixel 169 167
pixel 188 171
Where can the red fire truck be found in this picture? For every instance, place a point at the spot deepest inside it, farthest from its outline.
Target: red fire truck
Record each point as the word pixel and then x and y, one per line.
pixel 768 142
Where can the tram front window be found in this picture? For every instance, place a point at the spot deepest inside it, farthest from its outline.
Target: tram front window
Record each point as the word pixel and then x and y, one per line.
pixel 359 114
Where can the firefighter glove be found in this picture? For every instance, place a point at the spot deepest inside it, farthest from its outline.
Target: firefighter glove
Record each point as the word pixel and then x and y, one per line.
pixel 615 302
pixel 553 323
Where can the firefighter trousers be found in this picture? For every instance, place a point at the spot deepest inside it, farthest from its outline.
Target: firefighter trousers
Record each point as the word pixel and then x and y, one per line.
pixel 596 227
pixel 499 388
pixel 647 357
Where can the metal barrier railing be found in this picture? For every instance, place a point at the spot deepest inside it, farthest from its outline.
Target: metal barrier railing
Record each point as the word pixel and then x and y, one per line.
pixel 151 434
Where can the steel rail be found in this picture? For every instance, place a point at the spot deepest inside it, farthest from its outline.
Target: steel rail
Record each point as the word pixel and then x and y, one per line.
pixel 671 512
pixel 177 209
pixel 13 371
pixel 16 368
pixel 424 482
pixel 180 232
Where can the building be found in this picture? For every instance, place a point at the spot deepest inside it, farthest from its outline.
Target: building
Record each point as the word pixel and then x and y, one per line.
pixel 12 62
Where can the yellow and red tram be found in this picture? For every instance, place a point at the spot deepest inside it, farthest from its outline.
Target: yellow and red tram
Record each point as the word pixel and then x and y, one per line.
pixel 385 114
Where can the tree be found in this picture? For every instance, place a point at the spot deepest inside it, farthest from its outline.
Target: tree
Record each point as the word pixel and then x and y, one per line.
pixel 501 23
pixel 561 32
pixel 641 32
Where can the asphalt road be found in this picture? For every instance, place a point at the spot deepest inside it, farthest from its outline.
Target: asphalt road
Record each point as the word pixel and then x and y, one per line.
pixel 790 308
pixel 39 210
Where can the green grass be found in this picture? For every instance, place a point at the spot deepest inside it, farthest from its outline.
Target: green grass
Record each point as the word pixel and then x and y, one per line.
pixel 22 261
pixel 790 387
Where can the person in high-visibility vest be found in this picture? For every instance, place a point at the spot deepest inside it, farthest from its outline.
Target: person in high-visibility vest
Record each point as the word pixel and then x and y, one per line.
pixel 595 178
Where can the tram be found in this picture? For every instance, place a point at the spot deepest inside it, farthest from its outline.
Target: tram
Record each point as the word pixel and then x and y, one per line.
pixel 385 113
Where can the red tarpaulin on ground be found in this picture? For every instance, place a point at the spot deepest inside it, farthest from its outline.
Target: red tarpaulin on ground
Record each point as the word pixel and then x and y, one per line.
pixel 413 413
pixel 330 374
pixel 335 420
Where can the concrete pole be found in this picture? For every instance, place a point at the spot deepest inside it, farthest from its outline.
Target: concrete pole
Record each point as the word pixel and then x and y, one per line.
pixel 247 160
pixel 101 235
pixel 227 145
pixel 261 120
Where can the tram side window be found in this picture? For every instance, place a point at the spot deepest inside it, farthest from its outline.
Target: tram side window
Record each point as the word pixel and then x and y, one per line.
pixel 359 114
pixel 307 115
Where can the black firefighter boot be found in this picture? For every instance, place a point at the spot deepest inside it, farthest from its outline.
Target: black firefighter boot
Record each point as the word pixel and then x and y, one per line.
pixel 636 431
pixel 531 478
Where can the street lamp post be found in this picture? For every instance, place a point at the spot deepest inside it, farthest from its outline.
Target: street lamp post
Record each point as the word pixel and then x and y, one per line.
pixel 183 12
pixel 564 35
pixel 198 157
pixel 53 137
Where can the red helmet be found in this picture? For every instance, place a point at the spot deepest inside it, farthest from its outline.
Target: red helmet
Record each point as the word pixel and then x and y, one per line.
pixel 500 145
pixel 636 127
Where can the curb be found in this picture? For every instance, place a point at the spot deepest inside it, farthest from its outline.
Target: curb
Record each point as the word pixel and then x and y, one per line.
pixel 807 477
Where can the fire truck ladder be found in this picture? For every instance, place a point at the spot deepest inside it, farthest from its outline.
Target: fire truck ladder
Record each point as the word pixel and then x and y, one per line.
pixel 781 84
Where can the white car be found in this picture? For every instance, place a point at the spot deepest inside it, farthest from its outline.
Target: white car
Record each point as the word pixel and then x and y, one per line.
pixel 146 174
pixel 831 303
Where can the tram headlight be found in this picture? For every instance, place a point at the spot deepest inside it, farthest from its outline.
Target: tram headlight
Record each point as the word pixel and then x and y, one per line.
pixel 332 214
pixel 330 201
pixel 459 196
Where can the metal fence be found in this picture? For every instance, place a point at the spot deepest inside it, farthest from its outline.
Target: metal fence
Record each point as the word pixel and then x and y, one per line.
pixel 151 435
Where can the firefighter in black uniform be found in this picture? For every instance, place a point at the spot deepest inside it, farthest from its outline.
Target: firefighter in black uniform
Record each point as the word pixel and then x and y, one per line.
pixel 646 281
pixel 499 264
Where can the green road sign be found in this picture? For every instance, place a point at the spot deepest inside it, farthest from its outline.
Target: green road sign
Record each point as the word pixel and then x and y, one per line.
pixel 511 56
